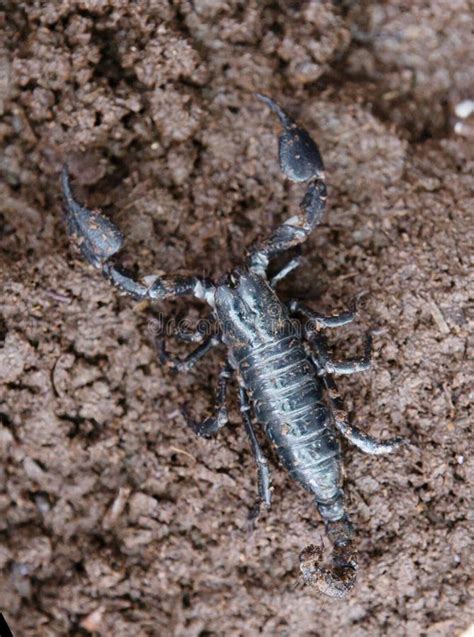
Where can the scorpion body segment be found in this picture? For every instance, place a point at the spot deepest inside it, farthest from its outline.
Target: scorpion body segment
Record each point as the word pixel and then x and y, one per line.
pixel 275 350
pixel 285 390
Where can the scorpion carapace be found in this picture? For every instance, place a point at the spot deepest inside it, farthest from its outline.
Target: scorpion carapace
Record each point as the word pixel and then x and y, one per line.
pixel 275 349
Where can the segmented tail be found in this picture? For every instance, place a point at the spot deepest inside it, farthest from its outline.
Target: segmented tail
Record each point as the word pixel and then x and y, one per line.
pixel 340 580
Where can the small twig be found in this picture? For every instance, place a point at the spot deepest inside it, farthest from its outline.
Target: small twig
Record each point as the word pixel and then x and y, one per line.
pixel 57 296
pixel 185 453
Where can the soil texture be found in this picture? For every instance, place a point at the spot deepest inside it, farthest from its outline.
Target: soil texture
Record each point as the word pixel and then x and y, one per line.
pixel 114 518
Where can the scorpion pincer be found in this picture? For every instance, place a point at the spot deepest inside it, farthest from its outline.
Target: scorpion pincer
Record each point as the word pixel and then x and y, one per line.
pixel 275 350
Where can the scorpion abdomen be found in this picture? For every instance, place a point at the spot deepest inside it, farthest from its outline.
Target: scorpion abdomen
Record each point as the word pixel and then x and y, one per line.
pixel 286 394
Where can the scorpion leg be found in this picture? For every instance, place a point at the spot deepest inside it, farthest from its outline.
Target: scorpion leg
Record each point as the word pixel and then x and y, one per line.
pixel 190 337
pixel 99 239
pixel 181 331
pixel 157 331
pixel 187 363
pixel 289 267
pixel 361 440
pixel 264 480
pixel 318 321
pixel 327 366
pixel 219 419
pixel 300 161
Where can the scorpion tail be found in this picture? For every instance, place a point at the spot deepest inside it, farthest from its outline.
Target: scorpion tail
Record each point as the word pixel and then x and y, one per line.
pixel 340 580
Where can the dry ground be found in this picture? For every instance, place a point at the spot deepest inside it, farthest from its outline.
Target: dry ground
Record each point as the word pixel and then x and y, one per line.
pixel 114 520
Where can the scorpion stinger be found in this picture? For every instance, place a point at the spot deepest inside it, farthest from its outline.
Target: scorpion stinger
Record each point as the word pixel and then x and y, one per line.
pixel 99 239
pixel 340 580
pixel 300 161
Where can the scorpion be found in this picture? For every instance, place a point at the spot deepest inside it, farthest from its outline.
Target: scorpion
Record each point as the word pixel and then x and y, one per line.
pixel 285 375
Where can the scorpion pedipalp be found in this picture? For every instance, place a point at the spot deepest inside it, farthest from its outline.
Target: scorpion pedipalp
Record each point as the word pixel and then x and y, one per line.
pixel 98 238
pixel 300 159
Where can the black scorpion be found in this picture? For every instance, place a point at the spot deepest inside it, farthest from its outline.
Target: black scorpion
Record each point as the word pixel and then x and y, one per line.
pixel 284 374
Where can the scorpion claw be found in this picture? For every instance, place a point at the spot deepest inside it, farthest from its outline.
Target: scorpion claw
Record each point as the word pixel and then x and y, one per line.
pixel 286 121
pixel 300 159
pixel 98 238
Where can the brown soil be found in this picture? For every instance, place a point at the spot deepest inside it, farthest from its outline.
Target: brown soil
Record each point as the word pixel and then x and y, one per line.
pixel 114 520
